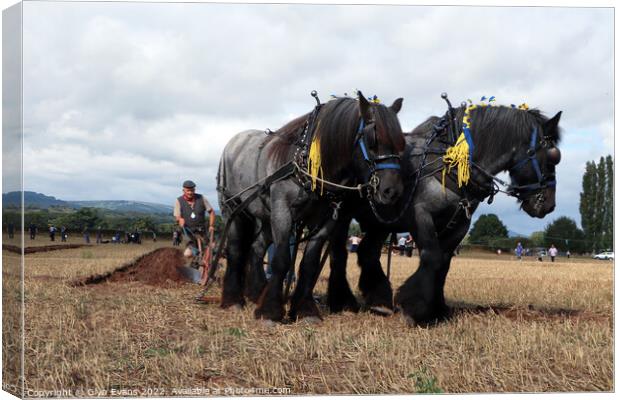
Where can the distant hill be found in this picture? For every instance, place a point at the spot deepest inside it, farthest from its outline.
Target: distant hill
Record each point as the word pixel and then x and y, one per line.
pixel 39 200
pixel 126 206
pixel 515 234
pixel 32 199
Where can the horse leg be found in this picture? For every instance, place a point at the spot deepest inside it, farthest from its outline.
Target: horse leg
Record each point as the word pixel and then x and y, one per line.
pixel 418 296
pixel 270 304
pixel 373 283
pixel 448 245
pixel 302 302
pixel 256 279
pixel 339 294
pixel 237 248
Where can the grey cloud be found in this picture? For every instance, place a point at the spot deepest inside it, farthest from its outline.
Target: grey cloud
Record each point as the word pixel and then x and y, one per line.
pixel 158 89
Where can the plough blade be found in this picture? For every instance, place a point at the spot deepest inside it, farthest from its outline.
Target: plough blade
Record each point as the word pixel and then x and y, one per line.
pixel 191 274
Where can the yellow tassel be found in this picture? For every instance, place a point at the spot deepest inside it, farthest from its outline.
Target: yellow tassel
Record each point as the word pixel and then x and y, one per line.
pixel 314 163
pixel 457 155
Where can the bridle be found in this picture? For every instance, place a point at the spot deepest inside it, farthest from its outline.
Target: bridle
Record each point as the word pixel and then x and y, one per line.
pixel 374 163
pixel 386 161
pixel 545 179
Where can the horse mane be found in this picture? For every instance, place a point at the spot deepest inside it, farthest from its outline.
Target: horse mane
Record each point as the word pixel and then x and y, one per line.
pixel 336 128
pixel 497 128
pixel 285 137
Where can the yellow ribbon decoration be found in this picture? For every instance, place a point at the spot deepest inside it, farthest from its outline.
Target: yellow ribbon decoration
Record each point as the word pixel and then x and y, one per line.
pixel 314 163
pixel 457 156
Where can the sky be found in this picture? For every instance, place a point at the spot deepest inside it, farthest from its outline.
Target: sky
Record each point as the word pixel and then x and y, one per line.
pixel 128 100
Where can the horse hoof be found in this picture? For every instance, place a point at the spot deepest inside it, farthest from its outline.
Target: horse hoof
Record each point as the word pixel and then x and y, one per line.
pixel 267 323
pixel 310 320
pixel 233 307
pixel 381 310
pixel 409 321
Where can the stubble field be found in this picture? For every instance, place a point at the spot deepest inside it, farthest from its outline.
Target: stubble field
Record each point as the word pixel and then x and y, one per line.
pixel 517 327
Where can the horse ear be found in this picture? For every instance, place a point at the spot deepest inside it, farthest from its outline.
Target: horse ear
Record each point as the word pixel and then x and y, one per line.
pixel 364 106
pixel 396 106
pixel 551 126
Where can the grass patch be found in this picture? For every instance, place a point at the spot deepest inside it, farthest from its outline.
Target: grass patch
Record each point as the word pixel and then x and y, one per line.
pixel 425 382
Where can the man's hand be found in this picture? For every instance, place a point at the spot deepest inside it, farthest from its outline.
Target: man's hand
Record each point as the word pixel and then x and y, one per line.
pixel 212 237
pixel 181 222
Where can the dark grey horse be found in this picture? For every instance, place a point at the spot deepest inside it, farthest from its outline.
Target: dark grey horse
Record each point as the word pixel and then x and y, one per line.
pixel 359 144
pixel 506 139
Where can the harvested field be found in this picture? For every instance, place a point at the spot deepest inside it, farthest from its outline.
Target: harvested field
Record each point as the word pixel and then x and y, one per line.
pixel 516 327
pixel 38 249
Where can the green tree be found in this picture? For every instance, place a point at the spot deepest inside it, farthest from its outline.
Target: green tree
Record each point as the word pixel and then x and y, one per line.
pixel 86 217
pixel 565 235
pixel 144 224
pixel 587 202
pixel 354 229
pixel 607 231
pixel 487 227
pixel 596 204
pixel 538 238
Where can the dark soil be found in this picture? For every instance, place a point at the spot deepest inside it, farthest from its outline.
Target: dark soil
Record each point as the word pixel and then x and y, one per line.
pixel 158 268
pixel 37 249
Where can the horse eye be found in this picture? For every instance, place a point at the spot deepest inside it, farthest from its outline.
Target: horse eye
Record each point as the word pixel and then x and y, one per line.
pixel 554 156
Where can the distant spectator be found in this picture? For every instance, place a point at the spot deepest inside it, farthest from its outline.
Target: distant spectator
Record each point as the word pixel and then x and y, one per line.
pixel 11 230
pixel 401 245
pixel 553 252
pixel 86 235
pixel 409 246
pixel 519 251
pixel 33 231
pixel 63 234
pixel 355 241
pixel 154 236
pixel 499 252
pixel 52 233
pixel 175 237
pixel 567 253
pixel 98 235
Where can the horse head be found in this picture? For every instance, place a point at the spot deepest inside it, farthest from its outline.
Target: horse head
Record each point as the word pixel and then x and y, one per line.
pixel 361 141
pixel 380 142
pixel 533 171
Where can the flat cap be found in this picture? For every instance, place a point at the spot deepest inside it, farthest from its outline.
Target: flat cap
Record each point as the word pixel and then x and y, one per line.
pixel 189 184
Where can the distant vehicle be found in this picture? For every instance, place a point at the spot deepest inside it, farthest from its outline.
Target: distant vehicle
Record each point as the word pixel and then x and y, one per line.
pixel 606 255
pixel 540 251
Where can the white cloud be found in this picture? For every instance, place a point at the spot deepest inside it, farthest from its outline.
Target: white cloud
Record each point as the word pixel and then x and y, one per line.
pixel 120 96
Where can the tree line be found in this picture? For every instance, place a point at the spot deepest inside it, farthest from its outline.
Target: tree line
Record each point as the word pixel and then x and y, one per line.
pixel 90 218
pixel 596 204
pixel 595 207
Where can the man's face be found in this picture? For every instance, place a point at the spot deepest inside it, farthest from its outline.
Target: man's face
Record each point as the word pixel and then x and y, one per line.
pixel 189 192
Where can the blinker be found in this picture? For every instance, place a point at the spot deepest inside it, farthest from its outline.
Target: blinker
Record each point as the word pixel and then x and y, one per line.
pixel 554 155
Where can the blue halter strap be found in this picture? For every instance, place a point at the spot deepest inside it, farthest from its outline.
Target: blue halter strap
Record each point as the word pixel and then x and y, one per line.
pixel 373 162
pixel 531 157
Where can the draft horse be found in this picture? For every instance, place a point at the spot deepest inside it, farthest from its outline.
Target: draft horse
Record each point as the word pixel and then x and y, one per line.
pixel 522 142
pixel 345 143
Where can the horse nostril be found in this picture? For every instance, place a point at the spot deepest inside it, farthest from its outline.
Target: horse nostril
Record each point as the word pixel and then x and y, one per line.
pixel 389 192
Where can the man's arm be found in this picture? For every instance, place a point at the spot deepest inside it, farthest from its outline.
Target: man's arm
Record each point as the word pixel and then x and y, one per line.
pixel 177 214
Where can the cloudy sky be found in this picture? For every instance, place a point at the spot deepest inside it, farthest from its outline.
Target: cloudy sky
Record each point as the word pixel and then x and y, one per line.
pixel 127 100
